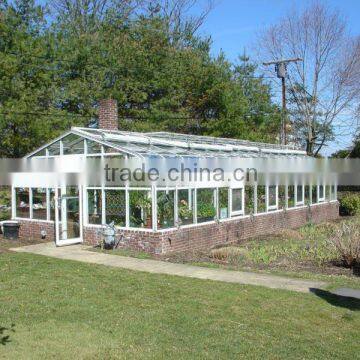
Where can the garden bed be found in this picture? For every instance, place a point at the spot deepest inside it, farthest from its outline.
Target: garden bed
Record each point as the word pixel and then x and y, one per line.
pixel 307 249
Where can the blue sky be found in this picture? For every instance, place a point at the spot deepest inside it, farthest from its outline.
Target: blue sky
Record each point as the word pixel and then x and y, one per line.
pixel 233 25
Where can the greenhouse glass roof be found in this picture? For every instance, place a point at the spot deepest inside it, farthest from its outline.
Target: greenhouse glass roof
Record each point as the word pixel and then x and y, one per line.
pixel 160 144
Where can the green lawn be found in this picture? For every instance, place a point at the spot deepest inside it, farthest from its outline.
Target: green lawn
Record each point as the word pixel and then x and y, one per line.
pixel 65 309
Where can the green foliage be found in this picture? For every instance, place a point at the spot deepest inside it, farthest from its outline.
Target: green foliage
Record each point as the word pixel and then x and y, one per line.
pixel 350 204
pixel 206 210
pixel 163 80
pixel 165 208
pixel 184 212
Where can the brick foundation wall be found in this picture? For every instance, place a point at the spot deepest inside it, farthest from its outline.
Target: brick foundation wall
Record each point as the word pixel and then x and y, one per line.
pixel 237 230
pixel 208 235
pixel 201 236
pixel 32 229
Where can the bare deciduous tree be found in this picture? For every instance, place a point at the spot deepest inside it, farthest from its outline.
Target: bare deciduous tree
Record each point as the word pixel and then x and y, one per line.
pixel 179 15
pixel 324 88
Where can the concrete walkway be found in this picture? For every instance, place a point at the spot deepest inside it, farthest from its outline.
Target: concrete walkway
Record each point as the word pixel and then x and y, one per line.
pixel 81 253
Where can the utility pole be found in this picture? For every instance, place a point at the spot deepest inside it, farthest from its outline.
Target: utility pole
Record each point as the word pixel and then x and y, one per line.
pixel 280 68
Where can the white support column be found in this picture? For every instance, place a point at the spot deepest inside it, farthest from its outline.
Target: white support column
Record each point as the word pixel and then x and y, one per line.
pixel 255 198
pixel 335 192
pixel 154 207
pixel 57 218
pixel 85 147
pixel 286 196
pixel 31 203
pixel 103 206
pixel 195 205
pixel 318 193
pixel 243 200
pixel 85 208
pixel 48 204
pixel 63 206
pixel 229 202
pixel 127 208
pixel 13 202
pixel 267 198
pixel 61 148
pixel 176 211
pixel 81 211
pixel 216 202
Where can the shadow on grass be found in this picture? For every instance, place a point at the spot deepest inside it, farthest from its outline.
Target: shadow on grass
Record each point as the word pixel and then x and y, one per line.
pixel 346 302
pixel 4 334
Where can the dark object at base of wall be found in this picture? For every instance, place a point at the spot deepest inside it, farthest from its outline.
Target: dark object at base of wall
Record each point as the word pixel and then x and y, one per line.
pixel 11 229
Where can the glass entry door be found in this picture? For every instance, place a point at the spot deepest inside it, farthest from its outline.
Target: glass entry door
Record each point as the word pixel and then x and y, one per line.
pixel 69 216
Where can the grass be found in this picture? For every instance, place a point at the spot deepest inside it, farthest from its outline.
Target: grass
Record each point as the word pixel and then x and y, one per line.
pixel 53 308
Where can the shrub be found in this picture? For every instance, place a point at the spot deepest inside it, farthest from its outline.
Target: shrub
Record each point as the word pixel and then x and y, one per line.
pixel 227 252
pixel 346 240
pixel 350 204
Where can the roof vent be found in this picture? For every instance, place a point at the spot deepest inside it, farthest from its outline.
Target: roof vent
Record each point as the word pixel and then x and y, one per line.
pixel 108 115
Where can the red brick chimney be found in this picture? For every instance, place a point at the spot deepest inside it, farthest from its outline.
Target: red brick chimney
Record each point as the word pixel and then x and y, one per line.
pixel 108 115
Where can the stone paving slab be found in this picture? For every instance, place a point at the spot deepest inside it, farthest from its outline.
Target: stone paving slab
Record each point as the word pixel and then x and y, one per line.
pixel 81 253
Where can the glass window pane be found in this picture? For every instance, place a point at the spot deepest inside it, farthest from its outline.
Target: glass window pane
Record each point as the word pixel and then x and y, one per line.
pixel 110 150
pixel 237 200
pixel 54 149
pixel 206 210
pixel 140 208
pixel 185 206
pixel 40 153
pixel 321 192
pixel 73 144
pixel 332 192
pixel 22 202
pixel 95 206
pixel 249 199
pixel 327 193
pixel 223 203
pixel 165 208
pixel 291 196
pixel 39 203
pixel 52 204
pixel 281 195
pixel 314 194
pixel 261 199
pixel 307 195
pixel 115 207
pixel 93 147
pixel 299 194
pixel 272 196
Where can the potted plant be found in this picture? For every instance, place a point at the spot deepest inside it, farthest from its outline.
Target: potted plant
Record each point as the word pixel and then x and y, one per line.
pixel 185 214
pixel 206 211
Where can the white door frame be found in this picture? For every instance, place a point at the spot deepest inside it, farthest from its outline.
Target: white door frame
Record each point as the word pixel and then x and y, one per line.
pixel 61 217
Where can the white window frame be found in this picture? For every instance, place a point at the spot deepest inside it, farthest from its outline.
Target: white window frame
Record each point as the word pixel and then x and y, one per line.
pixel 268 206
pixel 237 212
